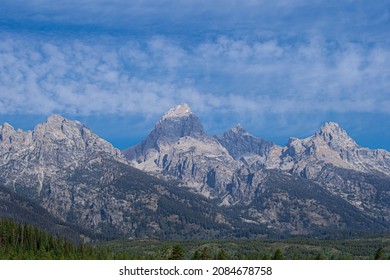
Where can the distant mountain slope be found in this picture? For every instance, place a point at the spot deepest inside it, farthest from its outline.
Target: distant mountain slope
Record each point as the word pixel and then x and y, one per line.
pixel 22 209
pixel 252 151
pixel 239 143
pixel 300 206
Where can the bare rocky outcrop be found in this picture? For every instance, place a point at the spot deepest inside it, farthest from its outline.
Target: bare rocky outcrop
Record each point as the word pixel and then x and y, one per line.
pixel 41 163
pixel 332 145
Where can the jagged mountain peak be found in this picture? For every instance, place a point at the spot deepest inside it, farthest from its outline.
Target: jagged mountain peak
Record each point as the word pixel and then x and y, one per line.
pixel 6 130
pixel 56 119
pixel 53 146
pixel 330 140
pixel 238 129
pixel 331 127
pixel 6 125
pixel 178 122
pixel 239 143
pixel 292 140
pixel 58 127
pixel 332 132
pixel 178 111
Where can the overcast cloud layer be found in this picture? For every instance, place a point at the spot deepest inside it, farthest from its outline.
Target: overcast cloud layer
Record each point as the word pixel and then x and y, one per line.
pixel 279 69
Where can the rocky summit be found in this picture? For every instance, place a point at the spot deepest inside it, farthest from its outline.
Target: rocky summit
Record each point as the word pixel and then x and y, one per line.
pixel 46 165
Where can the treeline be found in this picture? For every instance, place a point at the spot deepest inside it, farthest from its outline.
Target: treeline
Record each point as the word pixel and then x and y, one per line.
pixel 27 242
pixel 367 248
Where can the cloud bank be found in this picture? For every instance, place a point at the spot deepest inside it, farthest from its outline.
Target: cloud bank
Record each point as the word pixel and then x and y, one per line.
pixel 77 77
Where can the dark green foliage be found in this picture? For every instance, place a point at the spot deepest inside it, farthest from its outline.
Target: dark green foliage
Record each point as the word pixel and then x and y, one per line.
pixel 196 255
pixel 177 253
pixel 320 256
pixel 205 254
pixel 222 255
pixel 362 248
pixel 278 255
pixel 21 241
pixel 380 254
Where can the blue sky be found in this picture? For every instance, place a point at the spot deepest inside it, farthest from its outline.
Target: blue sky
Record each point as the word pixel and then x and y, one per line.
pixel 279 68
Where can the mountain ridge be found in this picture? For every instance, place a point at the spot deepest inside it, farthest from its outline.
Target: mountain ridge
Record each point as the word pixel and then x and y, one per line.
pixel 195 185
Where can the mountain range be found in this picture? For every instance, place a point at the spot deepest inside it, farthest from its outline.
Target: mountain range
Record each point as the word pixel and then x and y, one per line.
pixel 181 183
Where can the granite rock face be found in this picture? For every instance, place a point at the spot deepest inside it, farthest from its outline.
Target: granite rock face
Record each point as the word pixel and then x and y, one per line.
pixel 331 144
pixel 42 164
pixel 239 143
pixel 331 158
pixel 252 151
pixel 177 123
pixel 179 148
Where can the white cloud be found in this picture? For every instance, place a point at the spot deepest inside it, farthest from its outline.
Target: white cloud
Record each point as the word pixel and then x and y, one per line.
pixel 253 78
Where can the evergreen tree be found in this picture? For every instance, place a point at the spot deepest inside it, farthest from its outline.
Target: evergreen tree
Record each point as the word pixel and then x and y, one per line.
pixel 20 241
pixel 380 254
pixel 278 255
pixel 222 255
pixel 320 256
pixel 196 255
pixel 205 255
pixel 177 253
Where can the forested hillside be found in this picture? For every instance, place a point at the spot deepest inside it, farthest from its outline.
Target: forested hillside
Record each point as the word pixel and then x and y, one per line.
pixel 21 241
